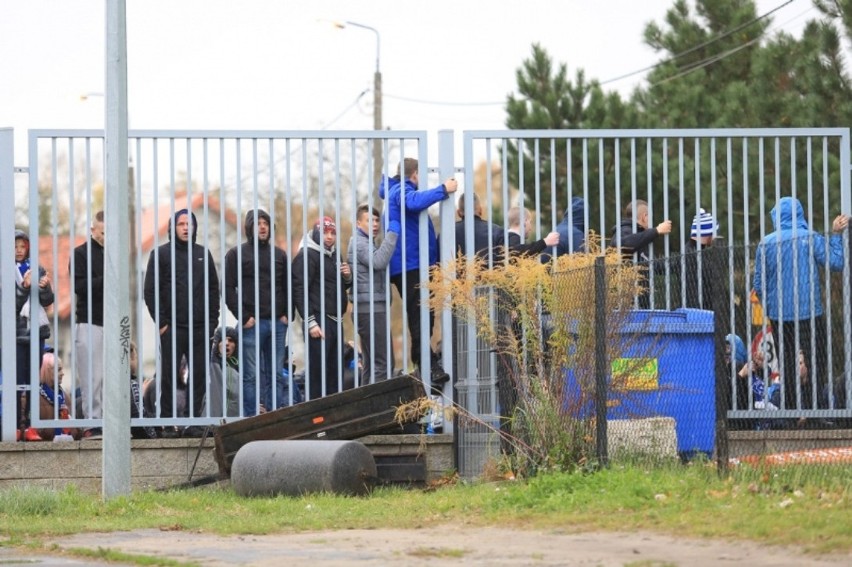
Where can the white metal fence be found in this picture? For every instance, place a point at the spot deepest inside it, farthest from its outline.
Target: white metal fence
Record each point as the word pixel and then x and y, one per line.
pixel 299 177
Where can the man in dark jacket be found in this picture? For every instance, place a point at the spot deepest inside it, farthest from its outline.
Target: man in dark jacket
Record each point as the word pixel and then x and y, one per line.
pixel 182 296
pixel 320 296
pixel 88 279
pixel 634 242
pixel 259 267
pixel 487 237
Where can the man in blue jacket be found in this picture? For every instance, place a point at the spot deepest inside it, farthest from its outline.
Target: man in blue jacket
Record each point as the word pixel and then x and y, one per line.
pixel 791 254
pixel 405 262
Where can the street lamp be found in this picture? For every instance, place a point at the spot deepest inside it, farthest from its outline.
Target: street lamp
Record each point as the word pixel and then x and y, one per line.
pixel 131 212
pixel 377 104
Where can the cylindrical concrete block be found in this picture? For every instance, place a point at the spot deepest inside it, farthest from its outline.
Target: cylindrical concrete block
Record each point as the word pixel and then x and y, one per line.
pixel 294 468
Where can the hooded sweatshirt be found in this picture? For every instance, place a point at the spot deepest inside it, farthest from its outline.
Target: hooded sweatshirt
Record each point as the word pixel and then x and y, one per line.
pixel 793 252
pixel 572 228
pixel 315 268
pixel 416 201
pixel 268 269
pixel 189 260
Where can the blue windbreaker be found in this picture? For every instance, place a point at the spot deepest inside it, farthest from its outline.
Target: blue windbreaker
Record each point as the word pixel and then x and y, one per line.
pixel 416 201
pixel 793 250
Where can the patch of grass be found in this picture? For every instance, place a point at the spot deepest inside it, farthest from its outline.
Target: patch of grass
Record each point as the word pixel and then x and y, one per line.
pixel 429 552
pixel 779 506
pixel 105 554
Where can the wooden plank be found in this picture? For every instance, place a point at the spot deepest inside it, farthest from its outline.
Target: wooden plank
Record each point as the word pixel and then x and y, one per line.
pixel 366 410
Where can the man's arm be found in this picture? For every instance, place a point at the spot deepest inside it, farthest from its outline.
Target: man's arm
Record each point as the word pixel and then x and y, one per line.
pixel 417 200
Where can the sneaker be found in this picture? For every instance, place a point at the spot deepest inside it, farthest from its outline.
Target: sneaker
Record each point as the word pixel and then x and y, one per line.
pixel 31 434
pixel 169 433
pixel 193 431
pixel 439 375
pixel 93 433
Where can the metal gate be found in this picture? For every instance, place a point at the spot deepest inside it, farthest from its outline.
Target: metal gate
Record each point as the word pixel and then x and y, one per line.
pixel 736 175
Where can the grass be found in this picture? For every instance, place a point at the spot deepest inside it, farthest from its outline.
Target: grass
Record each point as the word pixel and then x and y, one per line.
pixel 799 506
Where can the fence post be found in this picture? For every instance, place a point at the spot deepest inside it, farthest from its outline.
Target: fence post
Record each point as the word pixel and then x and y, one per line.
pixel 7 282
pixel 719 304
pixel 601 446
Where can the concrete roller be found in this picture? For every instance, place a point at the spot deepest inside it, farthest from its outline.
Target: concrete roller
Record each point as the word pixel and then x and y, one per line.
pixel 294 468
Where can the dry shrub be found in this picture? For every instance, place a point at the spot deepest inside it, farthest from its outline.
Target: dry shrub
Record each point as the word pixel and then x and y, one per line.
pixel 544 329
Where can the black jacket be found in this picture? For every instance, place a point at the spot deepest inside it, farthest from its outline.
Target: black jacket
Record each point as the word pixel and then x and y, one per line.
pixel 268 270
pixel 633 242
pixel 175 272
pixel 81 283
pixel 485 237
pixel 309 278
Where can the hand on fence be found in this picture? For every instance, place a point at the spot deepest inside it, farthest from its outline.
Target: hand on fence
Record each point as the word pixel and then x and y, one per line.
pixel 665 227
pixel 840 223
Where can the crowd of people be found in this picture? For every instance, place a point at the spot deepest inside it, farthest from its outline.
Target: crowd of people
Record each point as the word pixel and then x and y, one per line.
pixel 246 370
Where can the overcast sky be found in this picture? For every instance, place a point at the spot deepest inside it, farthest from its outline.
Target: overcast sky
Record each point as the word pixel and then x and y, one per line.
pixel 281 64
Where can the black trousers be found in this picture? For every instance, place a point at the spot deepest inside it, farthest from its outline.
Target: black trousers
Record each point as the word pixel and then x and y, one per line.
pixel 790 378
pixel 329 350
pixel 410 282
pixel 170 362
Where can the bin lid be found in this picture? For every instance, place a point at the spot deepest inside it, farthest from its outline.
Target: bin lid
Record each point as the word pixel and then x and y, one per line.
pixel 657 321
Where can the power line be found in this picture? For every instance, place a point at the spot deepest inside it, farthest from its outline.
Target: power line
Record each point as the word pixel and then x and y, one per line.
pixel 699 46
pixel 705 63
pixel 443 102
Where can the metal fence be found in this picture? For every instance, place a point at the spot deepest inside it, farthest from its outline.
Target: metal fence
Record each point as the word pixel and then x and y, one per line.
pixel 562 181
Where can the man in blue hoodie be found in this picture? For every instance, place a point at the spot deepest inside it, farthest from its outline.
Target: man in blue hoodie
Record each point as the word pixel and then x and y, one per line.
pixel 791 254
pixel 402 190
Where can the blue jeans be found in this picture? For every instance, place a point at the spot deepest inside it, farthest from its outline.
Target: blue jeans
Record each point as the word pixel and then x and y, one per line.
pixel 261 334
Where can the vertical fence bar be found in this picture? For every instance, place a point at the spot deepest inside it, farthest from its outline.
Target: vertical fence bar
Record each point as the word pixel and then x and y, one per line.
pixel 7 281
pixel 601 445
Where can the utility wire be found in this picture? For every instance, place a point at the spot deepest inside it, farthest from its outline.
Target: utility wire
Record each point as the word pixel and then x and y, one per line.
pixel 705 63
pixel 443 102
pixel 710 41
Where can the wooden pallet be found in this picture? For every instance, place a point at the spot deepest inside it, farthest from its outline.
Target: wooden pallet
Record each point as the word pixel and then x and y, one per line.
pixel 367 410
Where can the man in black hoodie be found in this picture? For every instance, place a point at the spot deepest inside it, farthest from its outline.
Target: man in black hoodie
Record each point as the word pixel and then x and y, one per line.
pixel 87 270
pixel 182 296
pixel 320 277
pixel 259 267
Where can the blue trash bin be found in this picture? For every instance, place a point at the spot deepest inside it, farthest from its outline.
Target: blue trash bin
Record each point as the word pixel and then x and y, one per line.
pixel 666 369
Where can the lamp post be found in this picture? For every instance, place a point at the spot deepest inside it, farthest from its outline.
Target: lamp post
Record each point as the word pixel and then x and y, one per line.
pixel 131 212
pixel 377 104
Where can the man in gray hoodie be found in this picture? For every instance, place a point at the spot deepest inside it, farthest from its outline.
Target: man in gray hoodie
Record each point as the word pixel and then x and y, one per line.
pixel 369 291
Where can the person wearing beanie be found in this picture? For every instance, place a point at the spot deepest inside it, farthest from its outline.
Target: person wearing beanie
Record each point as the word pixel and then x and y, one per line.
pixel 369 292
pixel 259 264
pixel 320 281
pixel 184 315
pixel 699 274
pixel 24 312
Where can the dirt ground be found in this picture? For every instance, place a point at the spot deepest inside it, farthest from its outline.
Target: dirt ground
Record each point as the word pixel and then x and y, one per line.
pixel 438 546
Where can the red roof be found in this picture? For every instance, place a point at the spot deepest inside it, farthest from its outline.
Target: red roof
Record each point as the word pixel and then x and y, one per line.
pixel 61 280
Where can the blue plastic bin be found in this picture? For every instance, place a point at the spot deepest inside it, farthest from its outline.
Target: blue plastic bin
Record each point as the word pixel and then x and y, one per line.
pixel 669 357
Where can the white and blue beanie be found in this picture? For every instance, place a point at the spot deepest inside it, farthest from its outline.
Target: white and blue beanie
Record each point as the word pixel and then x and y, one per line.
pixel 704 224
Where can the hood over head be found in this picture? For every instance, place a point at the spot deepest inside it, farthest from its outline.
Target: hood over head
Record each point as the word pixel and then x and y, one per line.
pixel 577 211
pixel 193 225
pixel 788 213
pixel 249 223
pixel 738 349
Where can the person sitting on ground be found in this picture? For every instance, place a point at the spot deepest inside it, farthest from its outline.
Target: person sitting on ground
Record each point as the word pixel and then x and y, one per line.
pixel 137 408
pixel 224 391
pixel 52 398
